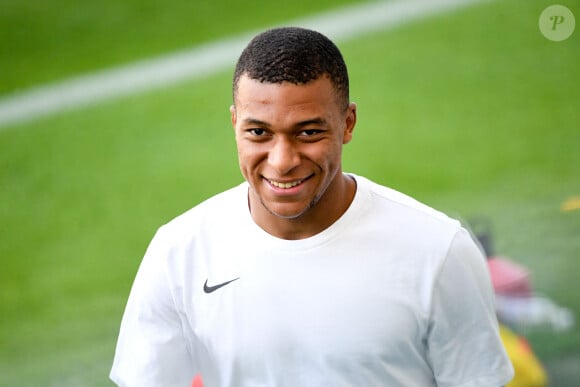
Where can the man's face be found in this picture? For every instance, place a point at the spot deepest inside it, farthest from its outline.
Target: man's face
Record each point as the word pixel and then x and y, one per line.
pixel 289 140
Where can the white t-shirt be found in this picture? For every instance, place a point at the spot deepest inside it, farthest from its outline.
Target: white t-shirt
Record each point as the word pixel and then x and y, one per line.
pixel 392 294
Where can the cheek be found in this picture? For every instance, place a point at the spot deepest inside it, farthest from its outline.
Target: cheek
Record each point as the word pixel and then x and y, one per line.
pixel 243 160
pixel 248 155
pixel 244 166
pixel 328 155
pixel 241 156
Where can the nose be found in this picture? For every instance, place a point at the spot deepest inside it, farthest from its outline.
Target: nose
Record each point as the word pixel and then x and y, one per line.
pixel 283 156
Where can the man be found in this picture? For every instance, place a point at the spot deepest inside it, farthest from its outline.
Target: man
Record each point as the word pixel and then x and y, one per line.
pixel 304 275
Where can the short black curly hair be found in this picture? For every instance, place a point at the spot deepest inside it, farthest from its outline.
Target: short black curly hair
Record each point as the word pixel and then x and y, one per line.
pixel 293 54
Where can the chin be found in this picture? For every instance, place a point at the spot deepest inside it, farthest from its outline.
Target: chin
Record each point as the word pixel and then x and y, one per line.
pixel 287 213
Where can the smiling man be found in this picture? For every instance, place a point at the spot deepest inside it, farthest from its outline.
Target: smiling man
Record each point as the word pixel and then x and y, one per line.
pixel 290 145
pixel 305 275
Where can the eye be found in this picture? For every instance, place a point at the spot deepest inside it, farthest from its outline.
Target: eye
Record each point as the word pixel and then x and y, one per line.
pixel 256 132
pixel 309 132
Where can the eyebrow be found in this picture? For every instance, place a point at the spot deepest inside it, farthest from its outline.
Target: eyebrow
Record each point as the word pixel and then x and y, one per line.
pixel 313 121
pixel 254 121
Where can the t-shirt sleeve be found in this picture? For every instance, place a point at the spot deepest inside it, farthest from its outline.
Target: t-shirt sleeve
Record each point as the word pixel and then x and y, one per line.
pixel 151 349
pixel 464 345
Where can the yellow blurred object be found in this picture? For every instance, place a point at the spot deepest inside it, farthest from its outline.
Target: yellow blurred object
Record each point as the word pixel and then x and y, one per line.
pixel 529 372
pixel 571 204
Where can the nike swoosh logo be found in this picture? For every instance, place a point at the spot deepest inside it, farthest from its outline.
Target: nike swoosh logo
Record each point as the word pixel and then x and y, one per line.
pixel 211 289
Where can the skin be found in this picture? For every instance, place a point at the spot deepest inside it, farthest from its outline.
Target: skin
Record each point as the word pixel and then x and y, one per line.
pixel 289 139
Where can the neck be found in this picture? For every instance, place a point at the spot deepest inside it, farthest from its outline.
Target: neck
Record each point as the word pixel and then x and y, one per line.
pixel 322 215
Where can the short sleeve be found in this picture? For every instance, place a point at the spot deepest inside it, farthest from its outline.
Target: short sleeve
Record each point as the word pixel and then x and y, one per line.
pixel 464 345
pixel 151 348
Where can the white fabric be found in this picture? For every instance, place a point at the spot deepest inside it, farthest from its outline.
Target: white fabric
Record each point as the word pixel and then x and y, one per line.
pixel 392 294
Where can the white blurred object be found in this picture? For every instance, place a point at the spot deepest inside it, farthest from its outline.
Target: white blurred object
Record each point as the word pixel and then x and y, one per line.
pixel 534 311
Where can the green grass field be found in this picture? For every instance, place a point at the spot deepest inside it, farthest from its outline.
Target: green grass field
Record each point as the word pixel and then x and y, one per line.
pixel 472 112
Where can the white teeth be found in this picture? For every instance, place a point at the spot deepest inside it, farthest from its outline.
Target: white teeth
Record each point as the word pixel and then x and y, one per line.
pixel 285 185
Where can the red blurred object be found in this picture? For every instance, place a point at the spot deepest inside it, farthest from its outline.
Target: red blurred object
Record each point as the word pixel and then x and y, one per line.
pixel 509 278
pixel 197 381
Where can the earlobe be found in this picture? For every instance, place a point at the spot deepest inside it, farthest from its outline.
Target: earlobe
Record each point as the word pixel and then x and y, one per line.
pixel 350 122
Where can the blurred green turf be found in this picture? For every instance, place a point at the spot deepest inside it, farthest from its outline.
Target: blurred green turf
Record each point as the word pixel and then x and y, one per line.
pixel 474 113
pixel 42 41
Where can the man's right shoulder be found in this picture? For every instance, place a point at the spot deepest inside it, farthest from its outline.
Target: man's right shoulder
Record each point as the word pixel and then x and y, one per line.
pixel 213 211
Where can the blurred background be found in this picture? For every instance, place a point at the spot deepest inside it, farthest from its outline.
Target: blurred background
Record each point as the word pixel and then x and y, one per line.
pixel 472 111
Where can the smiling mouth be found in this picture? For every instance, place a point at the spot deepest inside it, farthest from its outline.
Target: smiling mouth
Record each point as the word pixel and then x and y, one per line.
pixel 285 185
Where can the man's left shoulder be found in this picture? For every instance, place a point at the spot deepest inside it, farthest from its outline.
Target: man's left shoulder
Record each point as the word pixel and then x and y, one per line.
pixel 405 206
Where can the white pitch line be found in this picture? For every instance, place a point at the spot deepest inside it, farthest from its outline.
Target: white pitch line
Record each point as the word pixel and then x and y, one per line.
pixel 340 25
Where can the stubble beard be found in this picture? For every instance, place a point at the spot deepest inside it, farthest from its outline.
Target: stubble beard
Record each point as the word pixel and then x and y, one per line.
pixel 310 205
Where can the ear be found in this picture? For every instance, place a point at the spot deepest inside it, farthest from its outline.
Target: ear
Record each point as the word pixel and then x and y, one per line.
pixel 350 122
pixel 233 115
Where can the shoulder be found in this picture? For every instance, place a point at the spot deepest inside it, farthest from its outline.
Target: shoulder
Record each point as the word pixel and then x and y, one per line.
pixel 181 248
pixel 425 234
pixel 221 210
pixel 405 211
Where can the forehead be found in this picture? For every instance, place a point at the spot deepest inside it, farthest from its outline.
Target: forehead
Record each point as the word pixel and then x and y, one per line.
pixel 252 93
